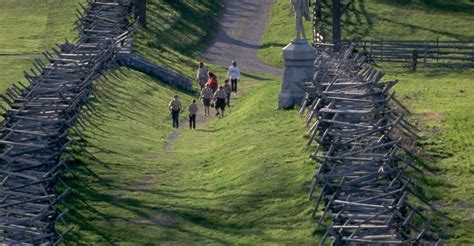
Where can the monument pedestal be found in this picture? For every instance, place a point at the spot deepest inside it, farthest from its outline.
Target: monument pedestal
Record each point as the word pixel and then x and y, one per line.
pixel 299 67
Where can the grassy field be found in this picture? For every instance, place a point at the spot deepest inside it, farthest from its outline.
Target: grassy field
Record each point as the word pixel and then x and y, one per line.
pixel 29 27
pixel 376 19
pixel 441 99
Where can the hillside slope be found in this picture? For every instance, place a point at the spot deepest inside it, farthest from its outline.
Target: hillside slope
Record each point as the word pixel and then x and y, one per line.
pixel 240 179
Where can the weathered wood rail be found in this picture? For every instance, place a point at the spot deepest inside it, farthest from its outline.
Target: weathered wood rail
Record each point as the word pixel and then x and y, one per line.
pixel 364 151
pixel 38 118
pixel 437 52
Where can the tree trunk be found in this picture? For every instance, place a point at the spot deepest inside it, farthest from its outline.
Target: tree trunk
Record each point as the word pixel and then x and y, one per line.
pixel 336 24
pixel 316 17
pixel 140 12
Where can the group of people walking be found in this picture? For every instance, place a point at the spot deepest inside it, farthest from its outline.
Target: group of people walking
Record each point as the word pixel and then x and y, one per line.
pixel 212 94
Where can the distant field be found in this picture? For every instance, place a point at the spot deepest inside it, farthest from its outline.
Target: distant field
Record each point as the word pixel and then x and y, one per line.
pixel 28 27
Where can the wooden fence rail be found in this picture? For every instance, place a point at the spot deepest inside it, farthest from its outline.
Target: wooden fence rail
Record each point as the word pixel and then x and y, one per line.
pixel 437 52
pixel 38 119
pixel 363 145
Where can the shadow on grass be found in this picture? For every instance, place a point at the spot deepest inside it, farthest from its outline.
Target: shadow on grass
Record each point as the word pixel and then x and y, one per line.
pixel 162 214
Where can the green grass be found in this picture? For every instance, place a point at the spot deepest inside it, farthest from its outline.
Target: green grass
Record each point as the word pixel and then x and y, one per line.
pixel 27 28
pixel 376 19
pixel 177 32
pixel 440 101
pixel 440 98
pixel 225 183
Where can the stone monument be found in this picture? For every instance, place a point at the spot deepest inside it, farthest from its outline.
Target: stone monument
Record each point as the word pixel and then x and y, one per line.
pixel 299 59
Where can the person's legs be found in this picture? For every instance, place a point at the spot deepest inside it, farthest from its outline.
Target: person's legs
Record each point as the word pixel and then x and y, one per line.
pixel 190 121
pixel 173 119
pixel 175 115
pixel 177 119
pixel 194 121
pixel 234 85
pixel 219 104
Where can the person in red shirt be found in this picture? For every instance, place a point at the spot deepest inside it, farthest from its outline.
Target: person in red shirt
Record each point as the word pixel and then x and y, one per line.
pixel 212 82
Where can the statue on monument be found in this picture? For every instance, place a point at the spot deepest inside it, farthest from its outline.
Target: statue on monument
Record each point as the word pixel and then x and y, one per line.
pixel 301 9
pixel 299 58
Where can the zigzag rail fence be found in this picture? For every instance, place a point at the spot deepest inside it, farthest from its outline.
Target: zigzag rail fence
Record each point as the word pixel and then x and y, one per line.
pixel 37 119
pixel 364 151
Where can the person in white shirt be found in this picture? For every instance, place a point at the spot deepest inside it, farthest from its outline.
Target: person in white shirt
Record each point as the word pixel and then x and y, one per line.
pixel 234 75
pixel 201 75
pixel 175 108
pixel 192 109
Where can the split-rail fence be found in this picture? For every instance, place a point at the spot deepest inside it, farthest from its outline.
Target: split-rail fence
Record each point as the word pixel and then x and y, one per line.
pixel 39 117
pixel 362 190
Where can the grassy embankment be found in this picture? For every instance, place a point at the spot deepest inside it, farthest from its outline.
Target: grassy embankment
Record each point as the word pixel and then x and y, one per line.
pixel 441 99
pixel 236 180
pixel 29 27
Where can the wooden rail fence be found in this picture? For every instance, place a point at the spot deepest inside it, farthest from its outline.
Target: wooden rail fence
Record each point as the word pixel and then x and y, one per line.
pixel 38 117
pixel 437 52
pixel 364 151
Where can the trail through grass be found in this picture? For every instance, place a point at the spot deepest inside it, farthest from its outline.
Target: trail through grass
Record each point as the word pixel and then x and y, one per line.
pixel 240 179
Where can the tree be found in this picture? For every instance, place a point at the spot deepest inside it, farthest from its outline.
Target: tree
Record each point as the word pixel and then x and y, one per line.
pixel 140 12
pixel 337 10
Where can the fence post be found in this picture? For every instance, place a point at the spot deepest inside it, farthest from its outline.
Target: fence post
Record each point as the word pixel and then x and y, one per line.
pixel 414 60
pixel 426 52
pixel 371 51
pixel 381 49
pixel 437 50
pixel 140 12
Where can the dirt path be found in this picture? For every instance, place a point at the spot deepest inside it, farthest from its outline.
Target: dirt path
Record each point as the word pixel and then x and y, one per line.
pixel 241 29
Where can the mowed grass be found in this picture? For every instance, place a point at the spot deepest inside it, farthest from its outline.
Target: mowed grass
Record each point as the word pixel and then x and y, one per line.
pixel 441 99
pixel 237 180
pixel 442 102
pixel 27 28
pixel 376 19
pixel 131 123
pixel 177 32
